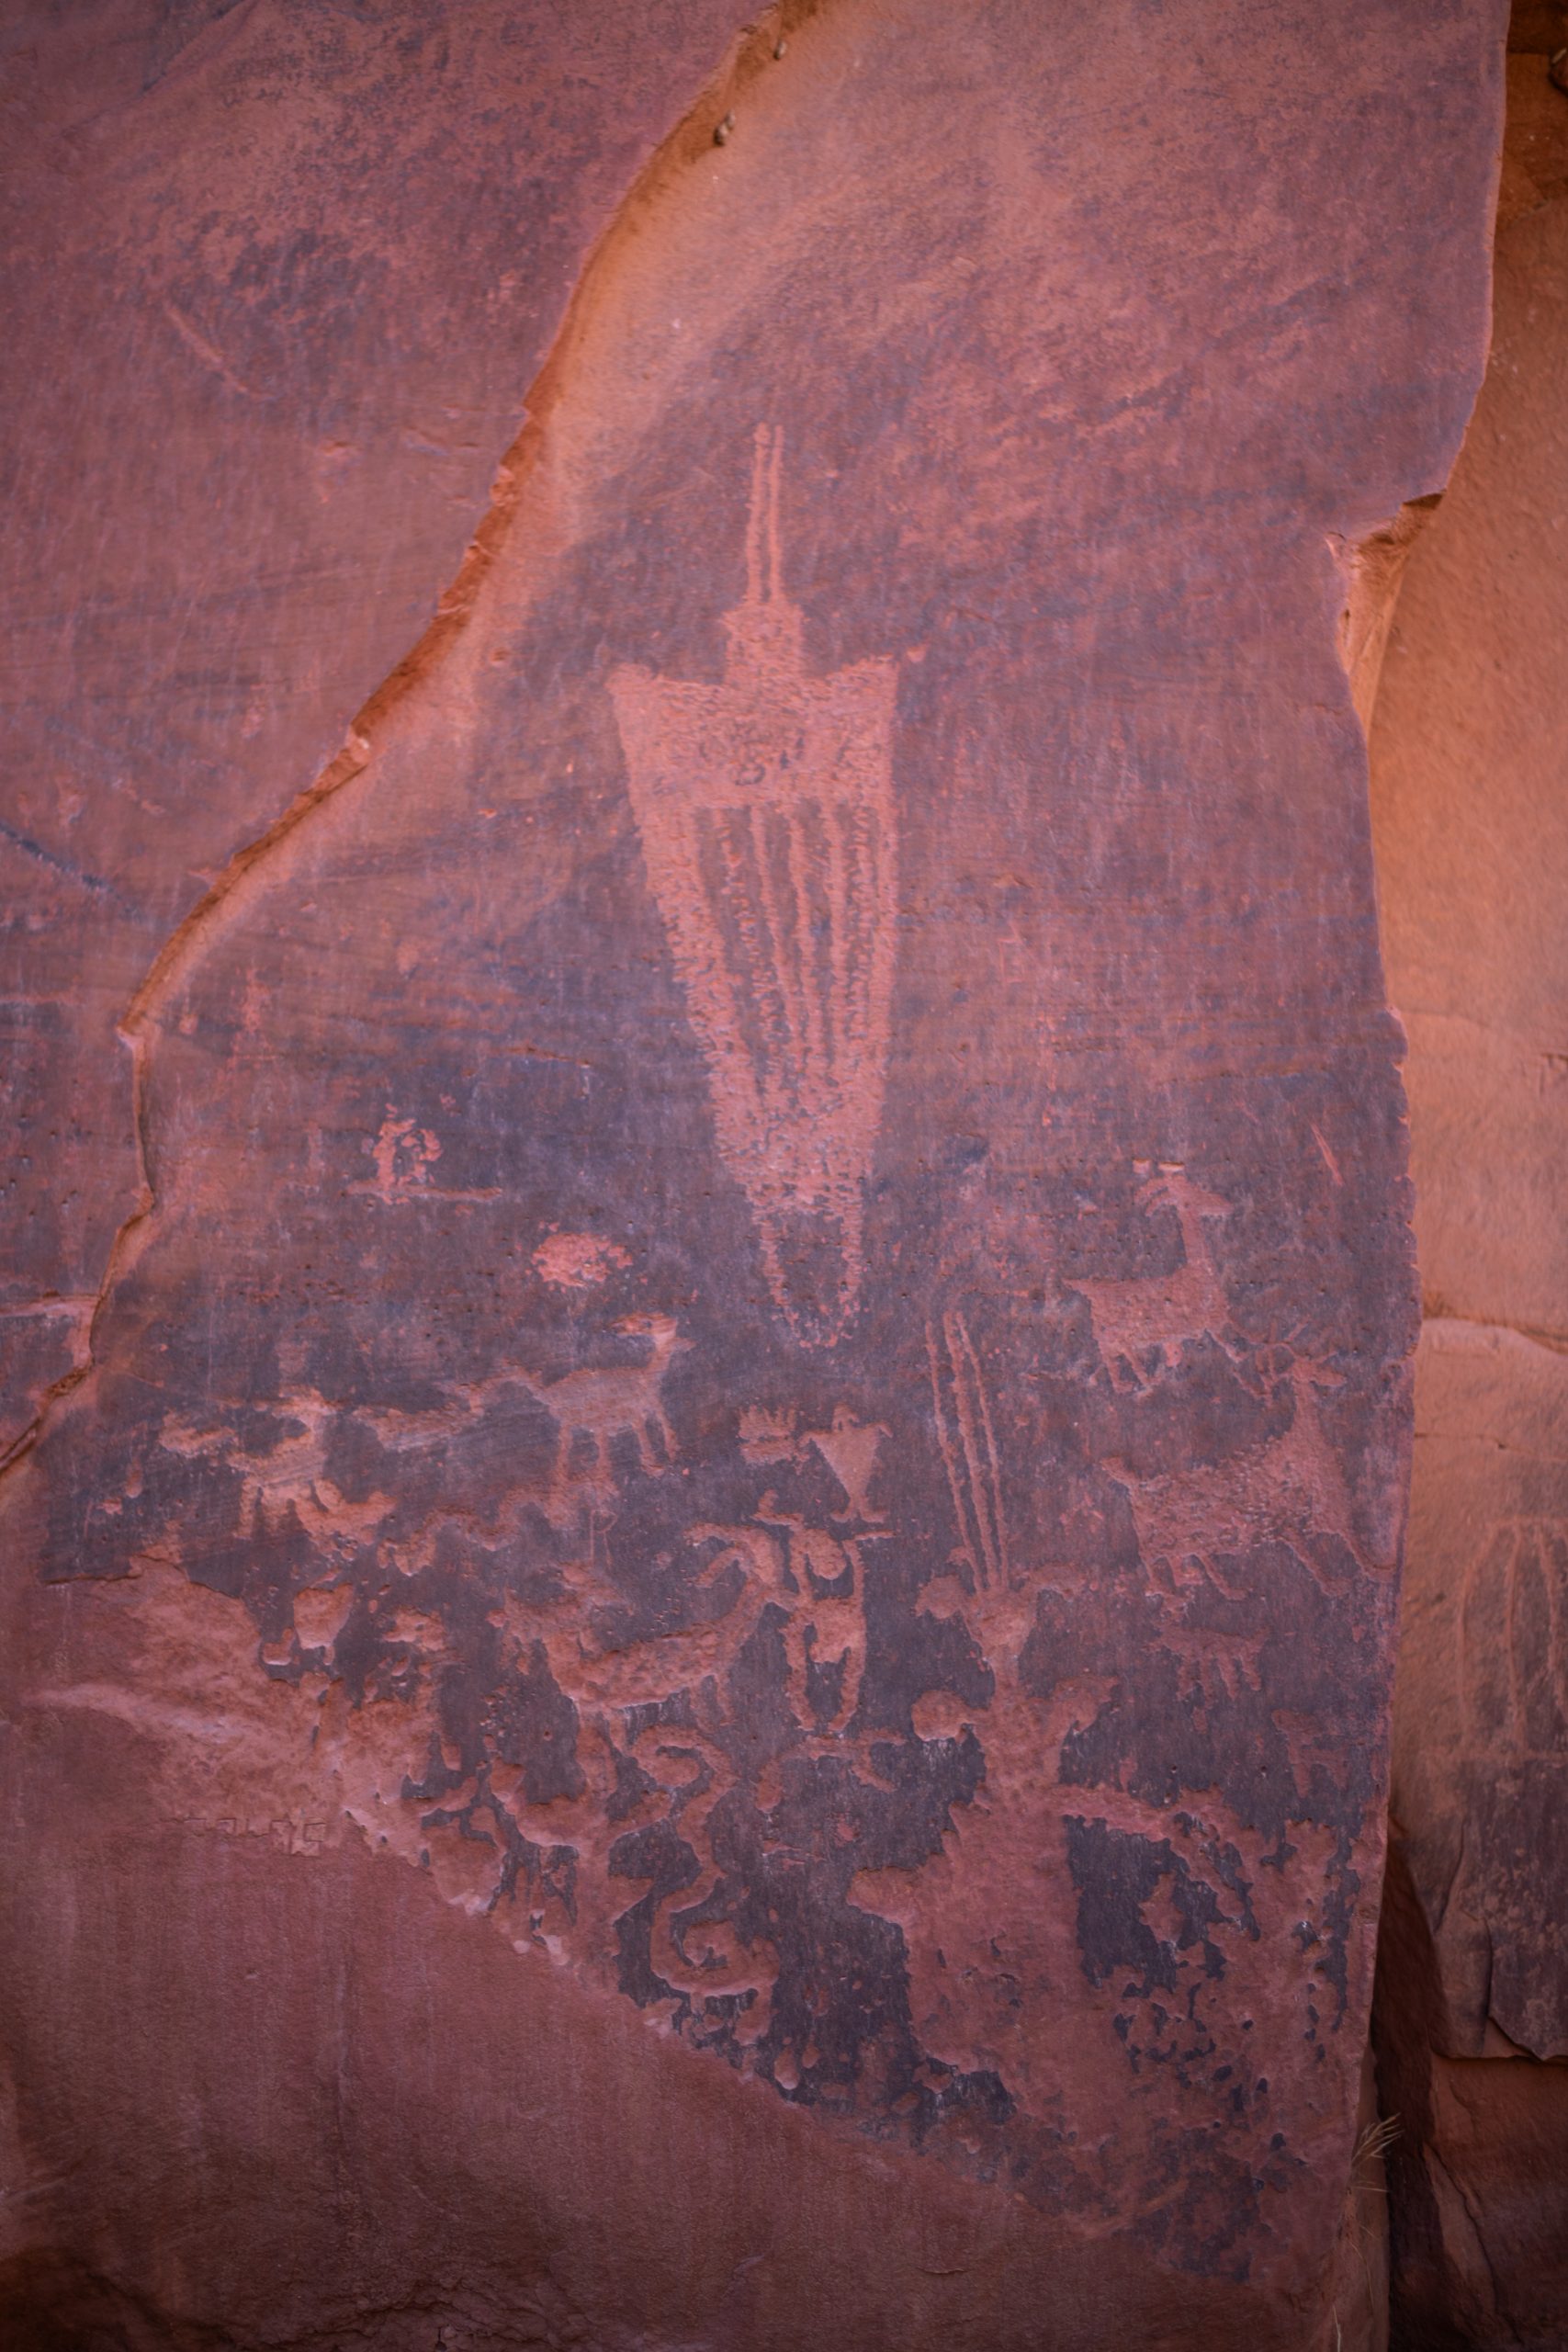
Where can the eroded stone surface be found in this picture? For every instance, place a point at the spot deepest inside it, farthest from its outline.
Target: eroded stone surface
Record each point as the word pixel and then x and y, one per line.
pixel 1471 836
pixel 773 1339
pixel 1481 1761
pixel 284 273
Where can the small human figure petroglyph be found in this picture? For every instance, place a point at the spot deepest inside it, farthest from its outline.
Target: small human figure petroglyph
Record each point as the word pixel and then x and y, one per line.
pixel 850 1449
pixel 825 1634
pixel 404 1154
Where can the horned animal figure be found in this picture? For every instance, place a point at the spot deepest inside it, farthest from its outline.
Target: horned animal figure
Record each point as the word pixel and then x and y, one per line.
pixel 1141 1325
pixel 595 1403
pixel 1285 1488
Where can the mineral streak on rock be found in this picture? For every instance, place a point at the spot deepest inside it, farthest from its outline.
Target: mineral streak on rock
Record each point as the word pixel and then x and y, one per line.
pixel 706 1656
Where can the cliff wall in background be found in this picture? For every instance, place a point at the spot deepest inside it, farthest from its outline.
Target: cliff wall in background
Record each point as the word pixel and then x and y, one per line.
pixel 710 1321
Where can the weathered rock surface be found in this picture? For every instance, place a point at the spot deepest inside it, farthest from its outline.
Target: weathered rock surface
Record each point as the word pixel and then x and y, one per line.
pixel 705 1657
pixel 1470 820
pixel 285 273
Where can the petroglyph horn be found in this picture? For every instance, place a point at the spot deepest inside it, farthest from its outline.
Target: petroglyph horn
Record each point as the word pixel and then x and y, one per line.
pixel 765 809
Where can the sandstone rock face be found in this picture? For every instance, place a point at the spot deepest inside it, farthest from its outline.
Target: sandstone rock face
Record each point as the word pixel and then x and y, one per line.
pixel 286 273
pixel 1471 835
pixel 704 1658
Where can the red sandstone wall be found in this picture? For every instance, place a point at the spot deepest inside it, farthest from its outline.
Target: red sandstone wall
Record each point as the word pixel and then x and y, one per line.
pixel 712 1393
pixel 1471 829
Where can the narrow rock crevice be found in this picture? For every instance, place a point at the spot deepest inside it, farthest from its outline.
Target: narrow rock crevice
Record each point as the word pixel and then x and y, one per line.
pixel 1373 570
pixel 1437 1311
pixel 757 48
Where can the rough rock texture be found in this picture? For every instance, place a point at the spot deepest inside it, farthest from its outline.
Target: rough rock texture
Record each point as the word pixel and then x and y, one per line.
pixel 705 1658
pixel 286 272
pixel 1471 819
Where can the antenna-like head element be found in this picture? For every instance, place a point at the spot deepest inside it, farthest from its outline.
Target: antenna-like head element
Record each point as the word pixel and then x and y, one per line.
pixel 763 522
pixel 765 628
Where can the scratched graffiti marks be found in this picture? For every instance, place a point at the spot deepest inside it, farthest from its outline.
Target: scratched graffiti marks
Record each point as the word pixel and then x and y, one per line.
pixel 764 807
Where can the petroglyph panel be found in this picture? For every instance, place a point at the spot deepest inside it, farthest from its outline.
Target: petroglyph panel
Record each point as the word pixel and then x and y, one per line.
pixel 729 1694
pixel 770 1345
